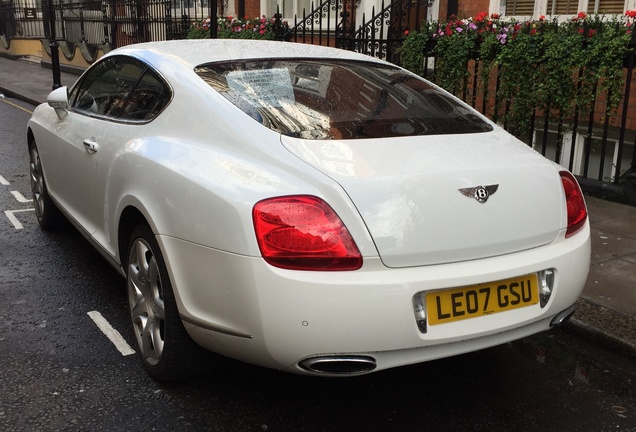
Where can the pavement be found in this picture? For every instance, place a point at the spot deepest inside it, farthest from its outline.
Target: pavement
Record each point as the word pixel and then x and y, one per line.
pixel 606 311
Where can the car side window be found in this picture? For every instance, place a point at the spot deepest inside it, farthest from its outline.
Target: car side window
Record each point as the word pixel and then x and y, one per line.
pixel 105 88
pixel 148 98
pixel 121 88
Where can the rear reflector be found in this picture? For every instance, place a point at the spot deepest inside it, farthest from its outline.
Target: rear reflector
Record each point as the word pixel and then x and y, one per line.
pixel 577 211
pixel 304 233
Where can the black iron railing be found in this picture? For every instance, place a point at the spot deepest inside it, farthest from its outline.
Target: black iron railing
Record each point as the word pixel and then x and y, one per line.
pixel 102 22
pixel 342 24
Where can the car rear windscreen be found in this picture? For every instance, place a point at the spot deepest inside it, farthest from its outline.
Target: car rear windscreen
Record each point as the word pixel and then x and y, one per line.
pixel 339 99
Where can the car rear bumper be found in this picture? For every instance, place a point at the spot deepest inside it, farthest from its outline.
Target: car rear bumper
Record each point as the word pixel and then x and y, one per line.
pixel 243 308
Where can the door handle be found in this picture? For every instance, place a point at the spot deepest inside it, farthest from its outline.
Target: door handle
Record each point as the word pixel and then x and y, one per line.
pixel 90 145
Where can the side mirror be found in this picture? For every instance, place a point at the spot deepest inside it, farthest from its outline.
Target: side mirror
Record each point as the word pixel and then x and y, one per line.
pixel 58 100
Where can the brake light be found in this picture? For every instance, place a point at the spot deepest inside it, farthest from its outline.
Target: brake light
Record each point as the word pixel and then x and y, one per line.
pixel 304 233
pixel 577 212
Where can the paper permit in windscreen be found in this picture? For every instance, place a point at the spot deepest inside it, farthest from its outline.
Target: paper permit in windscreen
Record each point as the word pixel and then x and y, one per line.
pixel 264 88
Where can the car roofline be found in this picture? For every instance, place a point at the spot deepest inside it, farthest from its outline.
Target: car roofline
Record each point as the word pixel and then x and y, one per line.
pixel 195 52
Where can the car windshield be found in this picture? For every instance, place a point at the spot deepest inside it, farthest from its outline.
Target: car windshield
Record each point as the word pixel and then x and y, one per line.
pixel 339 99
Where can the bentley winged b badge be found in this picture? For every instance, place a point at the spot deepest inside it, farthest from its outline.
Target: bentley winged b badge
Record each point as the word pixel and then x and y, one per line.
pixel 480 193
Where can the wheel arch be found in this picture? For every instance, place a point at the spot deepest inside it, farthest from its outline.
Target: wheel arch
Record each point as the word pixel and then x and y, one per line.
pixel 30 137
pixel 130 217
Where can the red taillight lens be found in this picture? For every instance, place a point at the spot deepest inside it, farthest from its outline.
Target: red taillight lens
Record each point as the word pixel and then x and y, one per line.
pixel 303 233
pixel 577 212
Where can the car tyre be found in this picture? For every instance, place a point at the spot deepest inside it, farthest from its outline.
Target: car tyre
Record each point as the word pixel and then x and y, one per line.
pixel 48 215
pixel 164 346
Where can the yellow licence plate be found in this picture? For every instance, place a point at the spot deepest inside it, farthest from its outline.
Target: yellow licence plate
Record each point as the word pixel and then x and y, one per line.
pixel 483 299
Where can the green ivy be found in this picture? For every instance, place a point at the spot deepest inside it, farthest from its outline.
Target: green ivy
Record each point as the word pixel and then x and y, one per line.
pixel 546 65
pixel 415 47
pixel 452 68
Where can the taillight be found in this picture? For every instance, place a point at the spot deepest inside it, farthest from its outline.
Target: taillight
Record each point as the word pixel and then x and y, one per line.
pixel 303 233
pixel 577 212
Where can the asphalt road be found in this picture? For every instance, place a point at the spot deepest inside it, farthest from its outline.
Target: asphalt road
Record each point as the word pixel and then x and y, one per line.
pixel 59 370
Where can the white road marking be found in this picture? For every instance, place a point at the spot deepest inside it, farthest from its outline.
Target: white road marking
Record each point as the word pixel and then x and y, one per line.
pixel 112 334
pixel 3 181
pixel 20 197
pixel 14 220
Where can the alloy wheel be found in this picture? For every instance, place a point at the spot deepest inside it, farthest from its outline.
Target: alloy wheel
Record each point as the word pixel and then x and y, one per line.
pixel 37 182
pixel 145 299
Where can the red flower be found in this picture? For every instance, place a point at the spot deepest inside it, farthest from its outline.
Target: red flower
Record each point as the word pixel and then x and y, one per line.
pixel 481 16
pixel 581 15
pixel 542 17
pixel 406 32
pixel 494 16
pixel 631 13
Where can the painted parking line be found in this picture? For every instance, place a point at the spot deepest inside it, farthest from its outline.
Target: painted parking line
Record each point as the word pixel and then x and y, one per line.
pixel 18 196
pixel 17 106
pixel 112 334
pixel 3 181
pixel 14 220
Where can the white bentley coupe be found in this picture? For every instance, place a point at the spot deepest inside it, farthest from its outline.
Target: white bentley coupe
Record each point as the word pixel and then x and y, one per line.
pixel 305 208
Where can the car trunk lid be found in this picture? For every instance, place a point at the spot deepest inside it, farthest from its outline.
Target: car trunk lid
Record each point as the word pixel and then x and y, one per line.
pixel 444 198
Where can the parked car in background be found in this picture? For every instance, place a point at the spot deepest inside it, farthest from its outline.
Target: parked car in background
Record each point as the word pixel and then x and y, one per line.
pixel 305 208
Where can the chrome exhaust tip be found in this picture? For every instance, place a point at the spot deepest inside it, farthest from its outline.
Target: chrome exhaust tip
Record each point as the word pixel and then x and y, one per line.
pixel 339 365
pixel 563 316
